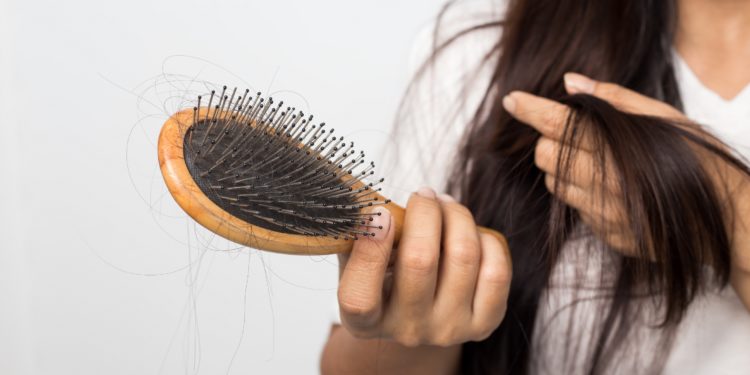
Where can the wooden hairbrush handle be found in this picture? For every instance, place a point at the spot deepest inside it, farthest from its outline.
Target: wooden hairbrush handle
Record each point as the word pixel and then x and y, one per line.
pixel 398 213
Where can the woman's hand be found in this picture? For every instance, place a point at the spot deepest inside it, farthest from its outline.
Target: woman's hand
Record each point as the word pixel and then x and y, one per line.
pixel 585 192
pixel 600 204
pixel 449 283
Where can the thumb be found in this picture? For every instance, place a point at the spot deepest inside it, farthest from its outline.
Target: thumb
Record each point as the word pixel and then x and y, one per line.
pixel 362 279
pixel 375 249
pixel 622 98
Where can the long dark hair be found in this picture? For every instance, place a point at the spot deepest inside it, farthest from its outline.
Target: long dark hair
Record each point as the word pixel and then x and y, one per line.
pixel 675 210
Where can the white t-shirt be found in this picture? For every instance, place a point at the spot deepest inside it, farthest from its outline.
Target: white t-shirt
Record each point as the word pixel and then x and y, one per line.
pixel 713 338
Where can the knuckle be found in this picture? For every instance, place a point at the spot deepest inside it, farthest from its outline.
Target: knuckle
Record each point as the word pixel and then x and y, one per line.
pixel 355 305
pixel 585 178
pixel 463 252
pixel 612 213
pixel 549 182
pixel 543 156
pixel 497 239
pixel 409 338
pixel 553 116
pixel 613 186
pixel 419 259
pixel 446 337
pixel 495 275
pixel 609 217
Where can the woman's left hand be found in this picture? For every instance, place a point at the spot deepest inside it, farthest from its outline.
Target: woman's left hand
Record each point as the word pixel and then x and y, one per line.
pixel 585 192
pixel 600 204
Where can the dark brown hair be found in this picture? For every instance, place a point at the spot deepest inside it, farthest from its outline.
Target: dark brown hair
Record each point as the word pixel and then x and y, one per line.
pixel 674 207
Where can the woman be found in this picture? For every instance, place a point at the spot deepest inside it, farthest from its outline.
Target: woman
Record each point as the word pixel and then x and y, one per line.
pixel 627 224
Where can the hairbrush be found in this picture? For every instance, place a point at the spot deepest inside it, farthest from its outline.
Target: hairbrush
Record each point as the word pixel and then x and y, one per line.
pixel 267 177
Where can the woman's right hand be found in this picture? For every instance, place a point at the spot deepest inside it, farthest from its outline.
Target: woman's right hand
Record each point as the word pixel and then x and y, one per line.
pixel 446 284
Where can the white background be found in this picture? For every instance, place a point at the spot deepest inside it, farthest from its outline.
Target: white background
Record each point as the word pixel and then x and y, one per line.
pixel 100 273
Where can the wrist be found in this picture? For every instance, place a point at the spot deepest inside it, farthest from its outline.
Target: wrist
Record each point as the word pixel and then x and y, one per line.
pixel 346 354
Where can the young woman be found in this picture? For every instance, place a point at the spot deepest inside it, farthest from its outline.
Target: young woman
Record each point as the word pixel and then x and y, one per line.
pixel 628 224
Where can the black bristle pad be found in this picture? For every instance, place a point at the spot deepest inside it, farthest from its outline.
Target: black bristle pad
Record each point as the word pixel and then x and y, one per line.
pixel 275 169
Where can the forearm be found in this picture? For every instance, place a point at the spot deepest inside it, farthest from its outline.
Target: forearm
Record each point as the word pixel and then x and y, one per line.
pixel 346 354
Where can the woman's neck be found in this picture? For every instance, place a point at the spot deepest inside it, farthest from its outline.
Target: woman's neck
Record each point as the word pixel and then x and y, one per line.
pixel 713 36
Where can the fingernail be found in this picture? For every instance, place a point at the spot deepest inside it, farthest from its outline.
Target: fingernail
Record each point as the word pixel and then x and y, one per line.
pixel 426 192
pixel 509 103
pixel 446 198
pixel 578 84
pixel 380 224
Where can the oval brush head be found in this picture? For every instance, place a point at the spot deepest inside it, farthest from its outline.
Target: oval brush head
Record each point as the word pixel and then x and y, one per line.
pixel 266 176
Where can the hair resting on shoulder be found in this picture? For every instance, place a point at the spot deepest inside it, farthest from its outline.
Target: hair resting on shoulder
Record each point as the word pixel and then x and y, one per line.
pixel 675 211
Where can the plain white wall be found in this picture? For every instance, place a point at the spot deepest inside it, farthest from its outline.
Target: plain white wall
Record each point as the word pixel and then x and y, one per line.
pixel 100 272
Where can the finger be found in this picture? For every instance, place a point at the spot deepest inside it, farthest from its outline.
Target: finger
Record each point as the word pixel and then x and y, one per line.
pixel 603 204
pixel 493 285
pixel 361 285
pixel 616 235
pixel 415 270
pixel 598 224
pixel 459 264
pixel 622 98
pixel 624 243
pixel 546 116
pixel 582 168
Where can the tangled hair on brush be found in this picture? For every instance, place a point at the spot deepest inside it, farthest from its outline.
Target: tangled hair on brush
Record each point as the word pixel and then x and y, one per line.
pixel 674 207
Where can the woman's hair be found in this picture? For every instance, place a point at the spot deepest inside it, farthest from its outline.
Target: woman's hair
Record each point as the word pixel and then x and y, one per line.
pixel 678 215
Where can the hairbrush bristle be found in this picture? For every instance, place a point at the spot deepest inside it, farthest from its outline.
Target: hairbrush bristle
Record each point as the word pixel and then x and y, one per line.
pixel 273 167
